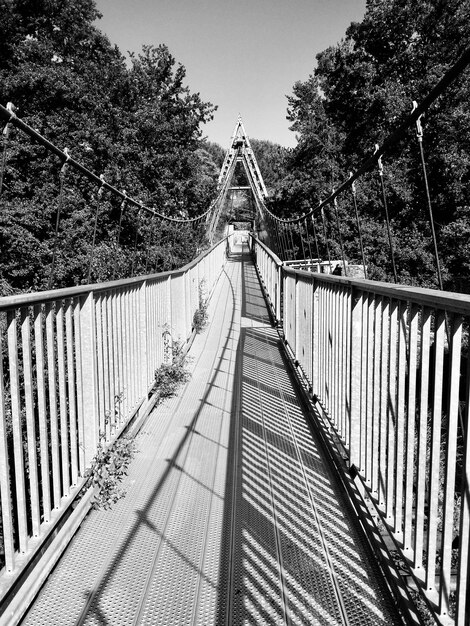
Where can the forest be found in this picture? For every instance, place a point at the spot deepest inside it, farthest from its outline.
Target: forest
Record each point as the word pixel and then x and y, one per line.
pixel 136 124
pixel 359 91
pixel 141 127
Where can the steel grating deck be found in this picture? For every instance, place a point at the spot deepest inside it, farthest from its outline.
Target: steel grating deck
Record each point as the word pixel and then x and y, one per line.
pixel 231 514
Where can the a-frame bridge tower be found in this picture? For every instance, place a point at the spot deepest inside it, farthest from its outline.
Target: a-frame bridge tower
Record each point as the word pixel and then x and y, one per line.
pixel 239 153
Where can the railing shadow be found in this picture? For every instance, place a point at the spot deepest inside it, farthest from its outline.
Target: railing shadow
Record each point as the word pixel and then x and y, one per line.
pixel 289 552
pixel 143 517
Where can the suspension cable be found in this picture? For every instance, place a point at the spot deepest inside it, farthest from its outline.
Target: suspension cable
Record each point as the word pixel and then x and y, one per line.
pixel 134 255
pixel 391 139
pixel 326 238
pixel 289 231
pixel 419 136
pixel 9 115
pixel 387 218
pixel 118 234
pixel 359 229
pixel 335 205
pixel 95 225
pixel 308 240
pixel 62 174
pixel 316 239
pixel 301 240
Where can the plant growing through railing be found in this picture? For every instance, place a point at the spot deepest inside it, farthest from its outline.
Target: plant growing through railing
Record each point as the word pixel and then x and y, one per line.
pixel 107 470
pixel 173 372
pixel 201 316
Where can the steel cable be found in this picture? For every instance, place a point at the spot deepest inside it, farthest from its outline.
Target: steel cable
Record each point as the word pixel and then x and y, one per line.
pixel 387 219
pixel 62 175
pixel 323 217
pixel 335 205
pixel 359 229
pixel 118 234
pixel 95 226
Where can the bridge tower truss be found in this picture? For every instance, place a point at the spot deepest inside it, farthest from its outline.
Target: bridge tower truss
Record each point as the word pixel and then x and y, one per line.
pixel 239 151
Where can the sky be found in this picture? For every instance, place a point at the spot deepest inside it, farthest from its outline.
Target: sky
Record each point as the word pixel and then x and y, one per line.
pixel 242 55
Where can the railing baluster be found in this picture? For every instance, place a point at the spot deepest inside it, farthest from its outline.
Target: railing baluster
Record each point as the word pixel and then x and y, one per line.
pixel 71 389
pixel 375 426
pixel 392 414
pixel 369 413
pixel 422 440
pixel 28 385
pixel 410 432
pixel 79 381
pixel 108 413
pixel 450 464
pixel 401 419
pixel 5 482
pixel 15 391
pixel 463 585
pixel 435 452
pixel 99 325
pixel 42 411
pixel 383 408
pixel 64 426
pixel 53 419
pixel 356 360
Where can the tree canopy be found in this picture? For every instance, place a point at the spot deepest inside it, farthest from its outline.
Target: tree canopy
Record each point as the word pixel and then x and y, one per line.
pixel 359 91
pixel 138 125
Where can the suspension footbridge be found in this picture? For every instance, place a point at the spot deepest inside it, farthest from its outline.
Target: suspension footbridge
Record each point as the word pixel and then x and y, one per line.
pixel 313 470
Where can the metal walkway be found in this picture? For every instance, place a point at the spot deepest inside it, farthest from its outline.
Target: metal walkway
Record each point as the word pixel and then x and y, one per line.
pixel 231 514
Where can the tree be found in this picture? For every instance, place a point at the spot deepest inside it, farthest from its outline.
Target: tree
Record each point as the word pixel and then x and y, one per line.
pixel 138 126
pixel 359 92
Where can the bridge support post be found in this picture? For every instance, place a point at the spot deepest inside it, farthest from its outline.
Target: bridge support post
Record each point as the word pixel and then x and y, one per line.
pixel 355 377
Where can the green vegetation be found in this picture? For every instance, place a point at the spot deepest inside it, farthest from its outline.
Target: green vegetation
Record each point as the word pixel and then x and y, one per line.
pixel 360 90
pixel 107 470
pixel 173 372
pixel 138 125
pixel 201 317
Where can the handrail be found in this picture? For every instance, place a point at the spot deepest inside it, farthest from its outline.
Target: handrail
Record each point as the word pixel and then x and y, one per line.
pixel 386 367
pixel 8 302
pixel 76 366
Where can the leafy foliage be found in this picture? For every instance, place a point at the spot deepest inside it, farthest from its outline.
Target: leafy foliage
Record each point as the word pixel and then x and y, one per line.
pixel 201 316
pixel 108 469
pixel 173 372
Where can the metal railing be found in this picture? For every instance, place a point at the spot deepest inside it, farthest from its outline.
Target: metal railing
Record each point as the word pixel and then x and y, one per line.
pixel 388 365
pixel 76 366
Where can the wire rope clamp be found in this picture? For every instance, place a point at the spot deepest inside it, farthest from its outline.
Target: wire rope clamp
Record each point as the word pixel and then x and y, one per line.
pixel 11 108
pixel 353 184
pixel 63 169
pixel 103 183
pixel 379 161
pixel 419 128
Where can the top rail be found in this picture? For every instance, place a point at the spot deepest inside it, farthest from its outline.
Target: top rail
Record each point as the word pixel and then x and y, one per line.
pixel 24 299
